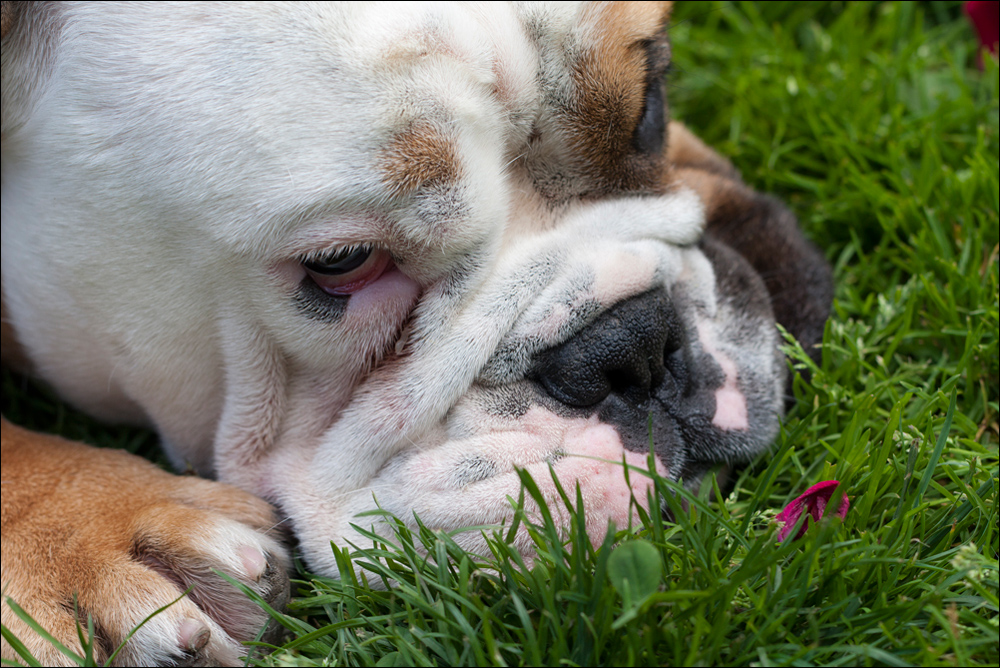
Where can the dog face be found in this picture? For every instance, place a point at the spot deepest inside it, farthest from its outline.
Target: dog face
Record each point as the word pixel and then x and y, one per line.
pixel 348 254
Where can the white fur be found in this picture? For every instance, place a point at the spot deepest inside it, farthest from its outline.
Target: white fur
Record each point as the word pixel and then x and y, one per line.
pixel 169 165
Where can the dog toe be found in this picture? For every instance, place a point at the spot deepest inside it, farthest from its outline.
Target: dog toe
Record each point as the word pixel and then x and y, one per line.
pixel 193 549
pixel 203 618
pixel 104 536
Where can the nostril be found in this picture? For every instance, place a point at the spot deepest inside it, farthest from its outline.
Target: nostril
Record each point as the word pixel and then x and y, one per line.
pixel 674 362
pixel 627 380
pixel 676 381
pixel 622 352
pixel 675 339
pixel 573 385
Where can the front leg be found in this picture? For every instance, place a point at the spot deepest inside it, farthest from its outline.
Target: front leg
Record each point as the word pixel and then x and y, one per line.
pixel 96 532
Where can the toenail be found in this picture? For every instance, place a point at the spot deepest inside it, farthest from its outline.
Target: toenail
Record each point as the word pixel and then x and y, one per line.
pixel 193 635
pixel 254 562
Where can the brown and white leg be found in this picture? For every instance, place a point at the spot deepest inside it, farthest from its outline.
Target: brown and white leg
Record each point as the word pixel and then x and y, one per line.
pixel 116 537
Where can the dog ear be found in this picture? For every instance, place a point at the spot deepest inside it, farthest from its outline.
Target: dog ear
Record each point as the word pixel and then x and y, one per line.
pixel 762 230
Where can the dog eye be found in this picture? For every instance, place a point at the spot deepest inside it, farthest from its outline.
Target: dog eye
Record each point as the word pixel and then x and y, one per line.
pixel 649 133
pixel 347 270
pixel 342 262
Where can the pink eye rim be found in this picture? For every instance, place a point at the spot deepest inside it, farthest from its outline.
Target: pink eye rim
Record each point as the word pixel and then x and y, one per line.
pixel 356 277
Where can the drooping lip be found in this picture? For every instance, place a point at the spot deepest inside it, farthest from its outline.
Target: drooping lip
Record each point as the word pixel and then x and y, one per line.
pixel 610 480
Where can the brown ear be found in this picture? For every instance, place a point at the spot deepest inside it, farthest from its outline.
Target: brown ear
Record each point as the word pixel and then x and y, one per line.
pixel 762 230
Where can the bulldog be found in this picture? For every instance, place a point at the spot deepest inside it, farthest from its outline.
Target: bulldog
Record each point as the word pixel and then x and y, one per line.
pixel 354 256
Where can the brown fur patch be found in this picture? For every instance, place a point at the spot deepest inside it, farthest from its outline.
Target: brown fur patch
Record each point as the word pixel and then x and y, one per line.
pixel 72 517
pixel 691 163
pixel 627 22
pixel 417 157
pixel 11 352
pixel 624 45
pixel 686 150
pixel 8 16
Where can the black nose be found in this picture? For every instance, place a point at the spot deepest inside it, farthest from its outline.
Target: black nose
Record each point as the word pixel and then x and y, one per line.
pixel 630 350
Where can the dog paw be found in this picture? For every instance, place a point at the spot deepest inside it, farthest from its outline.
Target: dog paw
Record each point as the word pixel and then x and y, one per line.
pixel 105 535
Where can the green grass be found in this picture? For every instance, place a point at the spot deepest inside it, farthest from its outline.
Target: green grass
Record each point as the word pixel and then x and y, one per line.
pixel 873 122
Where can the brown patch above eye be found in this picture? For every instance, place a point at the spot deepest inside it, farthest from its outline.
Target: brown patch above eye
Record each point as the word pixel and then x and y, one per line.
pixel 624 52
pixel 418 156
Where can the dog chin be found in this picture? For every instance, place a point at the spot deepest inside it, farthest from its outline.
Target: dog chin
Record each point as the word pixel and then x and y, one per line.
pixel 471 488
pixel 453 480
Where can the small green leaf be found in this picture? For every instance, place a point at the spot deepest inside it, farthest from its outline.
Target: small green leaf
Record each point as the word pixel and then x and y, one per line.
pixel 635 570
pixel 391 660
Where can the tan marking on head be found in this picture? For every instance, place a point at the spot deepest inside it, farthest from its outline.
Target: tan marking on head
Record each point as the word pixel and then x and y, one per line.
pixel 11 352
pixel 610 78
pixel 8 16
pixel 418 156
pixel 624 23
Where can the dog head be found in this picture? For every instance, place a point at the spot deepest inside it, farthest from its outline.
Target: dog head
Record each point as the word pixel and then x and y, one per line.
pixel 352 254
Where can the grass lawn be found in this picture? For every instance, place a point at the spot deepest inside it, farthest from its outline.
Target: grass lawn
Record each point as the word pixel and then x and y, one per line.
pixel 874 124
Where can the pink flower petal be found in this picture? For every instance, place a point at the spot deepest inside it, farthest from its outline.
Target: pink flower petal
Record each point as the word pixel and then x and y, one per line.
pixel 814 502
pixel 985 17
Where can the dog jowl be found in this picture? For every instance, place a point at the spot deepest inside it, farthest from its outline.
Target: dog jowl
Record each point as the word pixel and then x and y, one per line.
pixel 340 255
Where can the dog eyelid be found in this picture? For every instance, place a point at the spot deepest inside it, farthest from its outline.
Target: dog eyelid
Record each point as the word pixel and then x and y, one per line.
pixel 340 262
pixel 347 270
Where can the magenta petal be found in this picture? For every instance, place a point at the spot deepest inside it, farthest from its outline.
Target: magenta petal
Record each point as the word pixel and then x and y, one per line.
pixel 814 502
pixel 984 16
